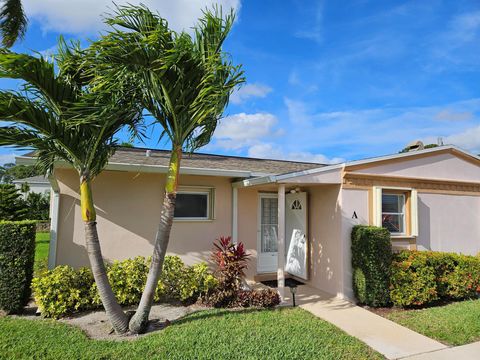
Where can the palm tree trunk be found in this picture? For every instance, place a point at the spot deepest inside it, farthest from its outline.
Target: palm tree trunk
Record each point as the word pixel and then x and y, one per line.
pixel 139 321
pixel 115 314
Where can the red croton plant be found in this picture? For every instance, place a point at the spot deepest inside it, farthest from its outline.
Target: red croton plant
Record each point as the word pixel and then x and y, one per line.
pixel 231 260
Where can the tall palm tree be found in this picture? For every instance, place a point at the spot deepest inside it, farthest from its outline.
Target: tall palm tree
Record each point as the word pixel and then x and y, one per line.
pixel 185 82
pixel 13 22
pixel 48 117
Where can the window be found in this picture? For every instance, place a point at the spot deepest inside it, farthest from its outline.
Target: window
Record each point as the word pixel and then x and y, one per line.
pixel 193 205
pixel 393 212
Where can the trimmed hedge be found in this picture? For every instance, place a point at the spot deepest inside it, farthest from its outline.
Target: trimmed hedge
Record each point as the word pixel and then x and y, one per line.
pixel 371 261
pixel 64 290
pixel 421 278
pixel 17 253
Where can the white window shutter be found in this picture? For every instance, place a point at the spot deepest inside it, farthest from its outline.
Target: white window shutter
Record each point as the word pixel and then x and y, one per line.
pixel 414 212
pixel 377 206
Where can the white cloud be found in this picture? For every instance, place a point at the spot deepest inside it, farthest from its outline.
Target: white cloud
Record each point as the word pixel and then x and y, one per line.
pixel 449 115
pixel 243 129
pixel 272 151
pixel 84 16
pixel 250 91
pixel 468 139
pixel 7 158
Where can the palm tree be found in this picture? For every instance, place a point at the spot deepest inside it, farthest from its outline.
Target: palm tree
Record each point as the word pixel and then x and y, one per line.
pixel 185 82
pixel 48 117
pixel 13 22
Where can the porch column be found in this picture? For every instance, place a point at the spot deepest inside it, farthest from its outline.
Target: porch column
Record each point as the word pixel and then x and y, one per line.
pixel 281 241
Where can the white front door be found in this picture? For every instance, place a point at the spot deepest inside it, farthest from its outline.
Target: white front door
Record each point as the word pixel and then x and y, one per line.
pixel 296 248
pixel 267 233
pixel 296 244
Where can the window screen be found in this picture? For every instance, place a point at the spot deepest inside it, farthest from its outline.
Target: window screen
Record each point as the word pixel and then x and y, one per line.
pixel 393 213
pixel 190 205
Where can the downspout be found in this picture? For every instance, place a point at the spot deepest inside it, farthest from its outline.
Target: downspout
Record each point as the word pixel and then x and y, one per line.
pixel 54 214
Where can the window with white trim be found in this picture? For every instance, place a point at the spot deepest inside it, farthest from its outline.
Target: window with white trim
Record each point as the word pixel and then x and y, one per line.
pixel 396 209
pixel 393 213
pixel 194 205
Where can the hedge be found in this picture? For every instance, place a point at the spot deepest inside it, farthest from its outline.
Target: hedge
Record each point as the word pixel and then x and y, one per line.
pixel 422 278
pixel 64 290
pixel 17 252
pixel 371 261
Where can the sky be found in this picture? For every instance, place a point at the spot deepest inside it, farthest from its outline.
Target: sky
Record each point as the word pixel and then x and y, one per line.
pixel 327 81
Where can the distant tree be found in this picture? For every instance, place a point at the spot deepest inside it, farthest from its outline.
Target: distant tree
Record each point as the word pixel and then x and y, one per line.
pixel 25 188
pixel 38 206
pixel 10 172
pixel 126 144
pixel 428 146
pixel 12 205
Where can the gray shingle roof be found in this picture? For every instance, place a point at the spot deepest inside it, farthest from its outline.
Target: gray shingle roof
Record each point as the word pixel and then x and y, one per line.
pixel 33 179
pixel 138 156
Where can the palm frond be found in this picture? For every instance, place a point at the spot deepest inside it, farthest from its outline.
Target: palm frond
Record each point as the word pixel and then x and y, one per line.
pixel 13 22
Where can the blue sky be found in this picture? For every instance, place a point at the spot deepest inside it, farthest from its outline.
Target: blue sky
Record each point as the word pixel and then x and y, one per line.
pixel 326 80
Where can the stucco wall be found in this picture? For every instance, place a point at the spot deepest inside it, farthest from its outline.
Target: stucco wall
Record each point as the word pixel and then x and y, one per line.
pixel 444 166
pixel 449 223
pixel 352 201
pixel 128 208
pixel 324 236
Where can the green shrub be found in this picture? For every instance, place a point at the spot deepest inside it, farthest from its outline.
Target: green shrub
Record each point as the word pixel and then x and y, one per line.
pixel 413 282
pixel 422 277
pixel 63 290
pixel 17 253
pixel 371 261
pixel 127 278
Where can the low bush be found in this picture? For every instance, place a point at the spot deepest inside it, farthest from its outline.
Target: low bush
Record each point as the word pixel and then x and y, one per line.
pixel 266 298
pixel 421 278
pixel 371 262
pixel 17 253
pixel 63 290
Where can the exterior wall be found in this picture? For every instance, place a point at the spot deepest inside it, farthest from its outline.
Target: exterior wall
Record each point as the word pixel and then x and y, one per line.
pixel 324 219
pixel 128 207
pixel 443 166
pixel 248 225
pixel 449 223
pixel 352 201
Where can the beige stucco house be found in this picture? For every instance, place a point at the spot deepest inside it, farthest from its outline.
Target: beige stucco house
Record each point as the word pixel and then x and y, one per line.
pixel 294 218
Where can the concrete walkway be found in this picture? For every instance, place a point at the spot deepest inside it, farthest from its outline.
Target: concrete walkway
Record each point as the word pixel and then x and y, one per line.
pixel 464 352
pixel 388 338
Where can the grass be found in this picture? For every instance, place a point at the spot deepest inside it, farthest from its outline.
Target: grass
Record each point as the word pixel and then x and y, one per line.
pixel 42 242
pixel 453 324
pixel 214 334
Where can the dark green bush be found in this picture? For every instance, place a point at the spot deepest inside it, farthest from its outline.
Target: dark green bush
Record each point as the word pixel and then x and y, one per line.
pixel 420 278
pixel 63 290
pixel 17 252
pixel 371 261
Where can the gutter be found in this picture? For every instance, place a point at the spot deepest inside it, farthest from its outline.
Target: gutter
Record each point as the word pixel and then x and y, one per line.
pixel 54 219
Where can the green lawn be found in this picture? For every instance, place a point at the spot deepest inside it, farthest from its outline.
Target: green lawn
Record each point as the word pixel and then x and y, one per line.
pixel 453 324
pixel 42 241
pixel 214 334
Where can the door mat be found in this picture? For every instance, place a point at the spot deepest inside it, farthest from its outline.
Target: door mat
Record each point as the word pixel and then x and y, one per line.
pixel 288 283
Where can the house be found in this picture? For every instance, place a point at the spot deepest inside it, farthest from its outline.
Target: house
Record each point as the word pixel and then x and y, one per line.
pixel 37 184
pixel 294 218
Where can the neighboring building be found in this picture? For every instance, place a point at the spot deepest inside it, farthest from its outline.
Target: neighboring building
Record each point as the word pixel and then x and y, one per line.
pixel 296 213
pixel 37 184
